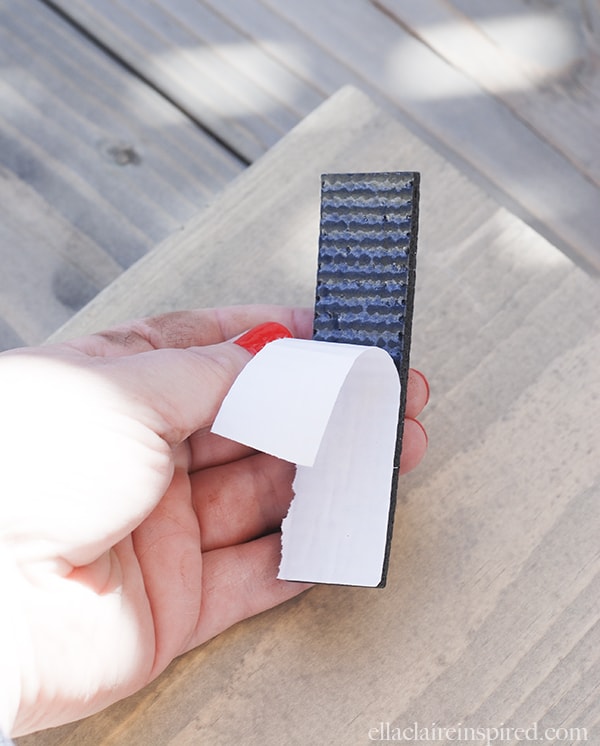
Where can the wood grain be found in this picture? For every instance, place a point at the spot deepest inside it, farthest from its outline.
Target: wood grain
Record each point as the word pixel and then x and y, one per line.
pixel 50 269
pixel 195 58
pixel 492 606
pixel 478 132
pixel 95 165
pixel 264 64
pixel 541 63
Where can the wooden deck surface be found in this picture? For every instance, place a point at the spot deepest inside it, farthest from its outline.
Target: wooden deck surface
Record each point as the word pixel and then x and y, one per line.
pixel 120 119
pixel 491 612
pixel 126 132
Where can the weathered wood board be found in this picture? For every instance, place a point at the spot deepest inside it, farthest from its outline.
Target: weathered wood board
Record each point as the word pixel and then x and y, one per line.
pixel 96 167
pixel 493 600
pixel 539 58
pixel 49 268
pixel 250 70
pixel 208 67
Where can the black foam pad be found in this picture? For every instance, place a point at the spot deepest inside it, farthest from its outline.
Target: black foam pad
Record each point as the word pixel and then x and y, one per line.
pixel 366 273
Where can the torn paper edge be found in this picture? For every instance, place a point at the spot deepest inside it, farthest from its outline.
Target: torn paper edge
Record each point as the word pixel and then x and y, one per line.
pixel 332 409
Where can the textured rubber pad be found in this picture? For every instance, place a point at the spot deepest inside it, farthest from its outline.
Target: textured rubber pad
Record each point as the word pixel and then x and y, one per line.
pixel 366 272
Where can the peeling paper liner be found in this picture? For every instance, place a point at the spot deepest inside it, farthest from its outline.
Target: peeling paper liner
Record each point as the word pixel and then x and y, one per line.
pixel 332 409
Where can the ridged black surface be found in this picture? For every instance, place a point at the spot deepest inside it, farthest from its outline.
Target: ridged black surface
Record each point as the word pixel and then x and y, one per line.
pixel 366 259
pixel 366 273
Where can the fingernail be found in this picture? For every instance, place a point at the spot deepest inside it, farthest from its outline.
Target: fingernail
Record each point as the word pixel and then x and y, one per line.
pixel 255 339
pixel 420 424
pixel 426 382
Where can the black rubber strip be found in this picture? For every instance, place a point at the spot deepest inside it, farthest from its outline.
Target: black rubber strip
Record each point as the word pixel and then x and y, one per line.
pixel 366 274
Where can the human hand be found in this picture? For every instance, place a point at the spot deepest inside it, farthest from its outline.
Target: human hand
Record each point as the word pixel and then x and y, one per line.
pixel 130 534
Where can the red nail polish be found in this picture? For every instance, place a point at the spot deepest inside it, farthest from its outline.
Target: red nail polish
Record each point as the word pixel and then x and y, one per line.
pixel 255 339
pixel 420 424
pixel 426 384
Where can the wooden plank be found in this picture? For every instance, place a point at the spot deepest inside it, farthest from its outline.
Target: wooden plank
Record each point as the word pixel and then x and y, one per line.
pixel 139 157
pixel 49 269
pixel 206 66
pixel 83 142
pixel 538 61
pixel 323 46
pixel 492 607
pixel 523 171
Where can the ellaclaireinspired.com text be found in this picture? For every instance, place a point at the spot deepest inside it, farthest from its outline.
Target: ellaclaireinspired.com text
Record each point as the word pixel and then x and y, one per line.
pixel 468 734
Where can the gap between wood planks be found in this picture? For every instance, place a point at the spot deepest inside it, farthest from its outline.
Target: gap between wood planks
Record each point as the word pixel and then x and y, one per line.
pixel 147 81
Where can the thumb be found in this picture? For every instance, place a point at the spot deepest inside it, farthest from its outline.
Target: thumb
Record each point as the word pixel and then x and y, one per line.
pixel 179 391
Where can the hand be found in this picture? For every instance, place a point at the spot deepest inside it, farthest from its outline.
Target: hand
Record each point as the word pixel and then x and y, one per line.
pixel 129 534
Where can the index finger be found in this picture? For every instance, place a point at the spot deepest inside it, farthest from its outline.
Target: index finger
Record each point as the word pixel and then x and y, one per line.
pixel 193 328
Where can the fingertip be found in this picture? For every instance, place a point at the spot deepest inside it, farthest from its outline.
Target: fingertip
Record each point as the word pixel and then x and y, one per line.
pixel 414 445
pixel 417 393
pixel 423 377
